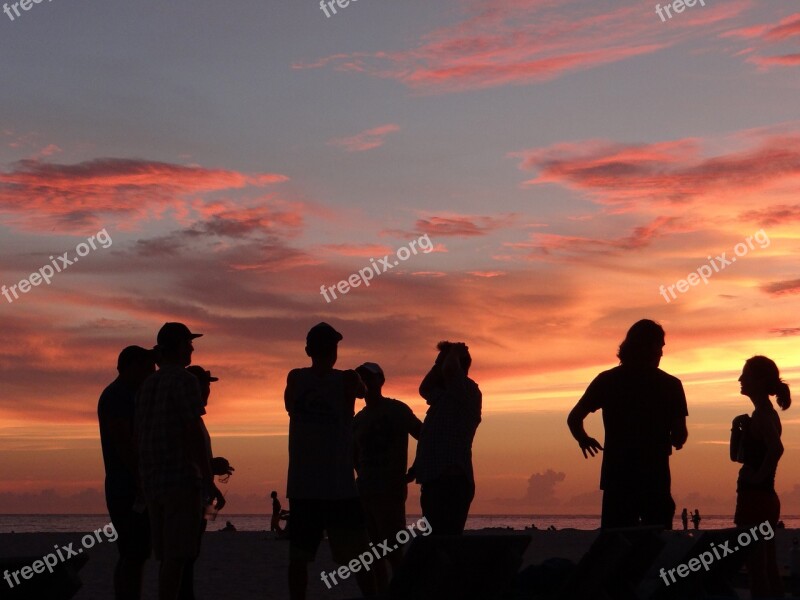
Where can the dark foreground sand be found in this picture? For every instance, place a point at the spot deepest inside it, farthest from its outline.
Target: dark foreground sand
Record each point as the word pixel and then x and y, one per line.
pixel 248 565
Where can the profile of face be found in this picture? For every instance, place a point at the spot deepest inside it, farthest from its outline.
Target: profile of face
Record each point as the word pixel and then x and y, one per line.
pixel 748 382
pixel 185 351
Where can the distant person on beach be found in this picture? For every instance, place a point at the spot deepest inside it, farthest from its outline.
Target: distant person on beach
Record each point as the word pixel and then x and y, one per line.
pixel 380 438
pixel 444 453
pixel 228 527
pixel 756 443
pixel 174 464
pixel 126 507
pixel 696 518
pixel 644 414
pixel 321 486
pixel 685 519
pixel 275 522
pixel 219 467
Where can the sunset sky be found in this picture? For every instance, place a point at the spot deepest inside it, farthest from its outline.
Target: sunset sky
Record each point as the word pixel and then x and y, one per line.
pixel 564 158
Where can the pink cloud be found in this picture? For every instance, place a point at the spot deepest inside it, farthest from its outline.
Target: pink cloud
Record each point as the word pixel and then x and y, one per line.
pixel 366 140
pixel 41 195
pixel 501 42
pixel 665 173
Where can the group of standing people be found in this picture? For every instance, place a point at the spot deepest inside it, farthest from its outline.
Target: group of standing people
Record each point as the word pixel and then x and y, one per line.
pixel 159 464
pixel 695 519
pixel 328 442
pixel 160 467
pixel 644 415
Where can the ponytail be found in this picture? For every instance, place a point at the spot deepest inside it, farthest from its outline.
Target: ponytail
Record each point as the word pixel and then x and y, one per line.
pixel 783 396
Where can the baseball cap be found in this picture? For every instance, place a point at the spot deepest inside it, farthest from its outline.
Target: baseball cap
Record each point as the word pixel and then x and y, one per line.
pixel 322 334
pixel 132 355
pixel 201 374
pixel 371 367
pixel 172 334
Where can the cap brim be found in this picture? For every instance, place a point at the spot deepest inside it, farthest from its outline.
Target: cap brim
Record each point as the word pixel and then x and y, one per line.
pixel 213 378
pixel 195 335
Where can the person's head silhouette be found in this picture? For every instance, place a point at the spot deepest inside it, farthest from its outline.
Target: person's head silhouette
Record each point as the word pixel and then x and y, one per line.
pixel 761 378
pixel 643 344
pixel 322 345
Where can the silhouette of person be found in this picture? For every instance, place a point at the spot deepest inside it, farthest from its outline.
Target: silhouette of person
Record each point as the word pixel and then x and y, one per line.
pixel 174 465
pixel 443 464
pixel 229 526
pixel 685 519
pixel 219 467
pixel 380 438
pixel 756 443
pixel 275 522
pixel 321 486
pixel 644 414
pixel 696 518
pixel 115 413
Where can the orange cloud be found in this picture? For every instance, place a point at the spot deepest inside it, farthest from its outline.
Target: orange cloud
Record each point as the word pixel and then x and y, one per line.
pixel 366 140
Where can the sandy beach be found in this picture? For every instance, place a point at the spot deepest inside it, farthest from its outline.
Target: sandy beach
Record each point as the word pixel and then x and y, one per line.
pixel 247 565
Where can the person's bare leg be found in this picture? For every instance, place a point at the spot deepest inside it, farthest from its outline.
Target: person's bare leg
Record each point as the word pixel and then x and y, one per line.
pixel 169 578
pixel 128 579
pixel 298 579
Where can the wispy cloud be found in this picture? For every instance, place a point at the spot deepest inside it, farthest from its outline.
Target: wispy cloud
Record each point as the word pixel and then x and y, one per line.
pixel 366 140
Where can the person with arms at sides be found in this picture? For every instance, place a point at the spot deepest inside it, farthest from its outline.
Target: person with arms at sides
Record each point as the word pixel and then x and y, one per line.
pixel 321 485
pixel 644 414
pixel 756 443
pixel 380 437
pixel 126 507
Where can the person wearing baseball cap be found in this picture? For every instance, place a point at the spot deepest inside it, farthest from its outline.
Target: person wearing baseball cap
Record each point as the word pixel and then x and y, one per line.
pixel 174 464
pixel 380 440
pixel 219 467
pixel 322 491
pixel 115 413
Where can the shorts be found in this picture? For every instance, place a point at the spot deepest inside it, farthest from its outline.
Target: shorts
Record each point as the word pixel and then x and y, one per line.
pixel 342 519
pixel 753 507
pixel 176 521
pixel 625 507
pixel 133 528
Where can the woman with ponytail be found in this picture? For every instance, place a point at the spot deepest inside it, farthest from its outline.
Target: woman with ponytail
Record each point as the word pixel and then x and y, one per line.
pixel 756 443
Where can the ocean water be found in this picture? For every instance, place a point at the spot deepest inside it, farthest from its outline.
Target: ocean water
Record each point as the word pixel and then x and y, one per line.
pixel 83 523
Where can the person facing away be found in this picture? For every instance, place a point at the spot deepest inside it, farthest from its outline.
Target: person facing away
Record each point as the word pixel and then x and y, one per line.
pixel 115 413
pixel 443 464
pixel 685 519
pixel 174 465
pixel 756 443
pixel 219 466
pixel 321 486
pixel 380 438
pixel 696 518
pixel 644 415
